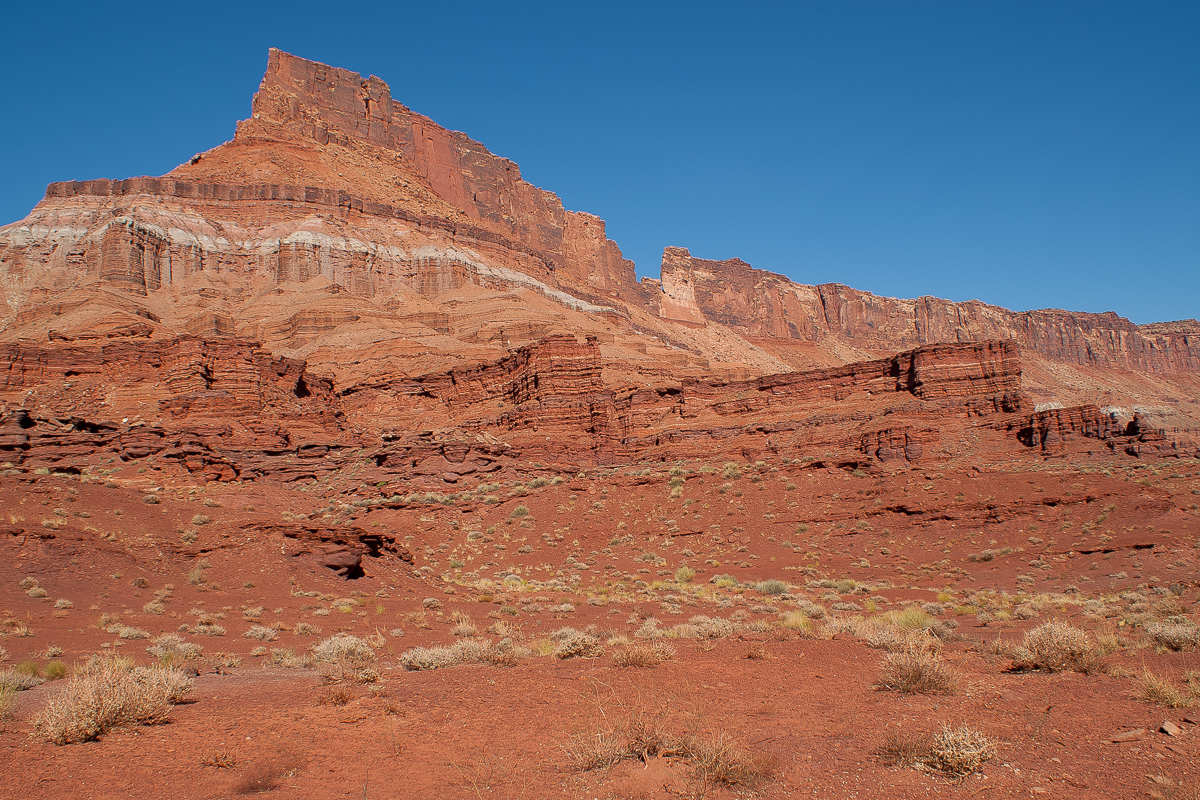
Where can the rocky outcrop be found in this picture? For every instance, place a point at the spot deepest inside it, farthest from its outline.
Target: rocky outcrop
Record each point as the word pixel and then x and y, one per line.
pixel 183 375
pixel 1053 430
pixel 446 455
pixel 549 401
pixel 766 306
pixel 241 450
pixel 1057 431
pixel 340 548
pixel 222 409
pixel 981 377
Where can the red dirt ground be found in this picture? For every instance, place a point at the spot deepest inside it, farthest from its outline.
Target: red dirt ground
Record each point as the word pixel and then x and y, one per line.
pixel 1060 535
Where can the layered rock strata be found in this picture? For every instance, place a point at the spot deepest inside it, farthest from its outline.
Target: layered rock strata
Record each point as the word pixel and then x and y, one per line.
pixel 462 318
pixel 765 307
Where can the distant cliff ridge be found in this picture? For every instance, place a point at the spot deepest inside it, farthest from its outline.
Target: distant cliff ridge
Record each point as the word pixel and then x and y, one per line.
pixel 765 305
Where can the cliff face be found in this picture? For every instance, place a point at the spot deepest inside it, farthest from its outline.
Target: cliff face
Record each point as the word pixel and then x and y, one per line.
pixel 324 104
pixel 768 306
pixel 345 231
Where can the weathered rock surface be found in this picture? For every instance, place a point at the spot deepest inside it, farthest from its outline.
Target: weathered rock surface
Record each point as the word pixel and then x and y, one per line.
pixel 340 548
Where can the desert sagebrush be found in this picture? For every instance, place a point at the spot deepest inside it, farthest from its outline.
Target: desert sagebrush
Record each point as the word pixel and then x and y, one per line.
pixel 108 693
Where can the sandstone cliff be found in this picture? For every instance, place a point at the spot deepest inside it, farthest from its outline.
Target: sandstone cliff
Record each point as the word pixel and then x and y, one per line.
pixel 769 307
pixel 342 229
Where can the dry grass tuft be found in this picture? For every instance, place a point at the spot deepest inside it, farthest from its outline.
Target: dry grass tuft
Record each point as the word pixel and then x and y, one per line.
pixel 955 752
pixel 108 693
pixel 338 695
pixel 716 760
pixel 724 761
pixel 903 749
pixel 1175 634
pixel 466 651
pixel 917 669
pixel 463 625
pixel 343 657
pixel 1161 691
pixel 1056 646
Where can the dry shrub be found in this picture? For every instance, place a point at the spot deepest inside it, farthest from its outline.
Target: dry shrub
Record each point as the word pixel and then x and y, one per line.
pixel 882 636
pixel 903 749
pixel 466 651
pixel 6 703
pixel 719 759
pixel 698 627
pixel 702 627
pixel 108 693
pixel 210 629
pixel 917 669
pixel 1162 691
pixel 16 679
pixel 956 752
pixel 1175 634
pixel 338 695
pixel 463 625
pixel 644 655
pixel 171 647
pixel 503 654
pixel 344 657
pixel 579 645
pixel 129 632
pixel 287 658
pixel 222 661
pixel 1056 646
pixel 261 633
pixel 724 761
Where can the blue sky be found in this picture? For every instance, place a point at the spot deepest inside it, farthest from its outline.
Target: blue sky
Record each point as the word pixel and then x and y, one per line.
pixel 1027 154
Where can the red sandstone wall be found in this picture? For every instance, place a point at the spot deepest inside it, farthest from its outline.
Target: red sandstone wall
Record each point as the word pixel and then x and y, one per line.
pixel 763 304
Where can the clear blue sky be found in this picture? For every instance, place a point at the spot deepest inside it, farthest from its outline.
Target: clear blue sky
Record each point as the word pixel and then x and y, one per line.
pixel 1028 154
